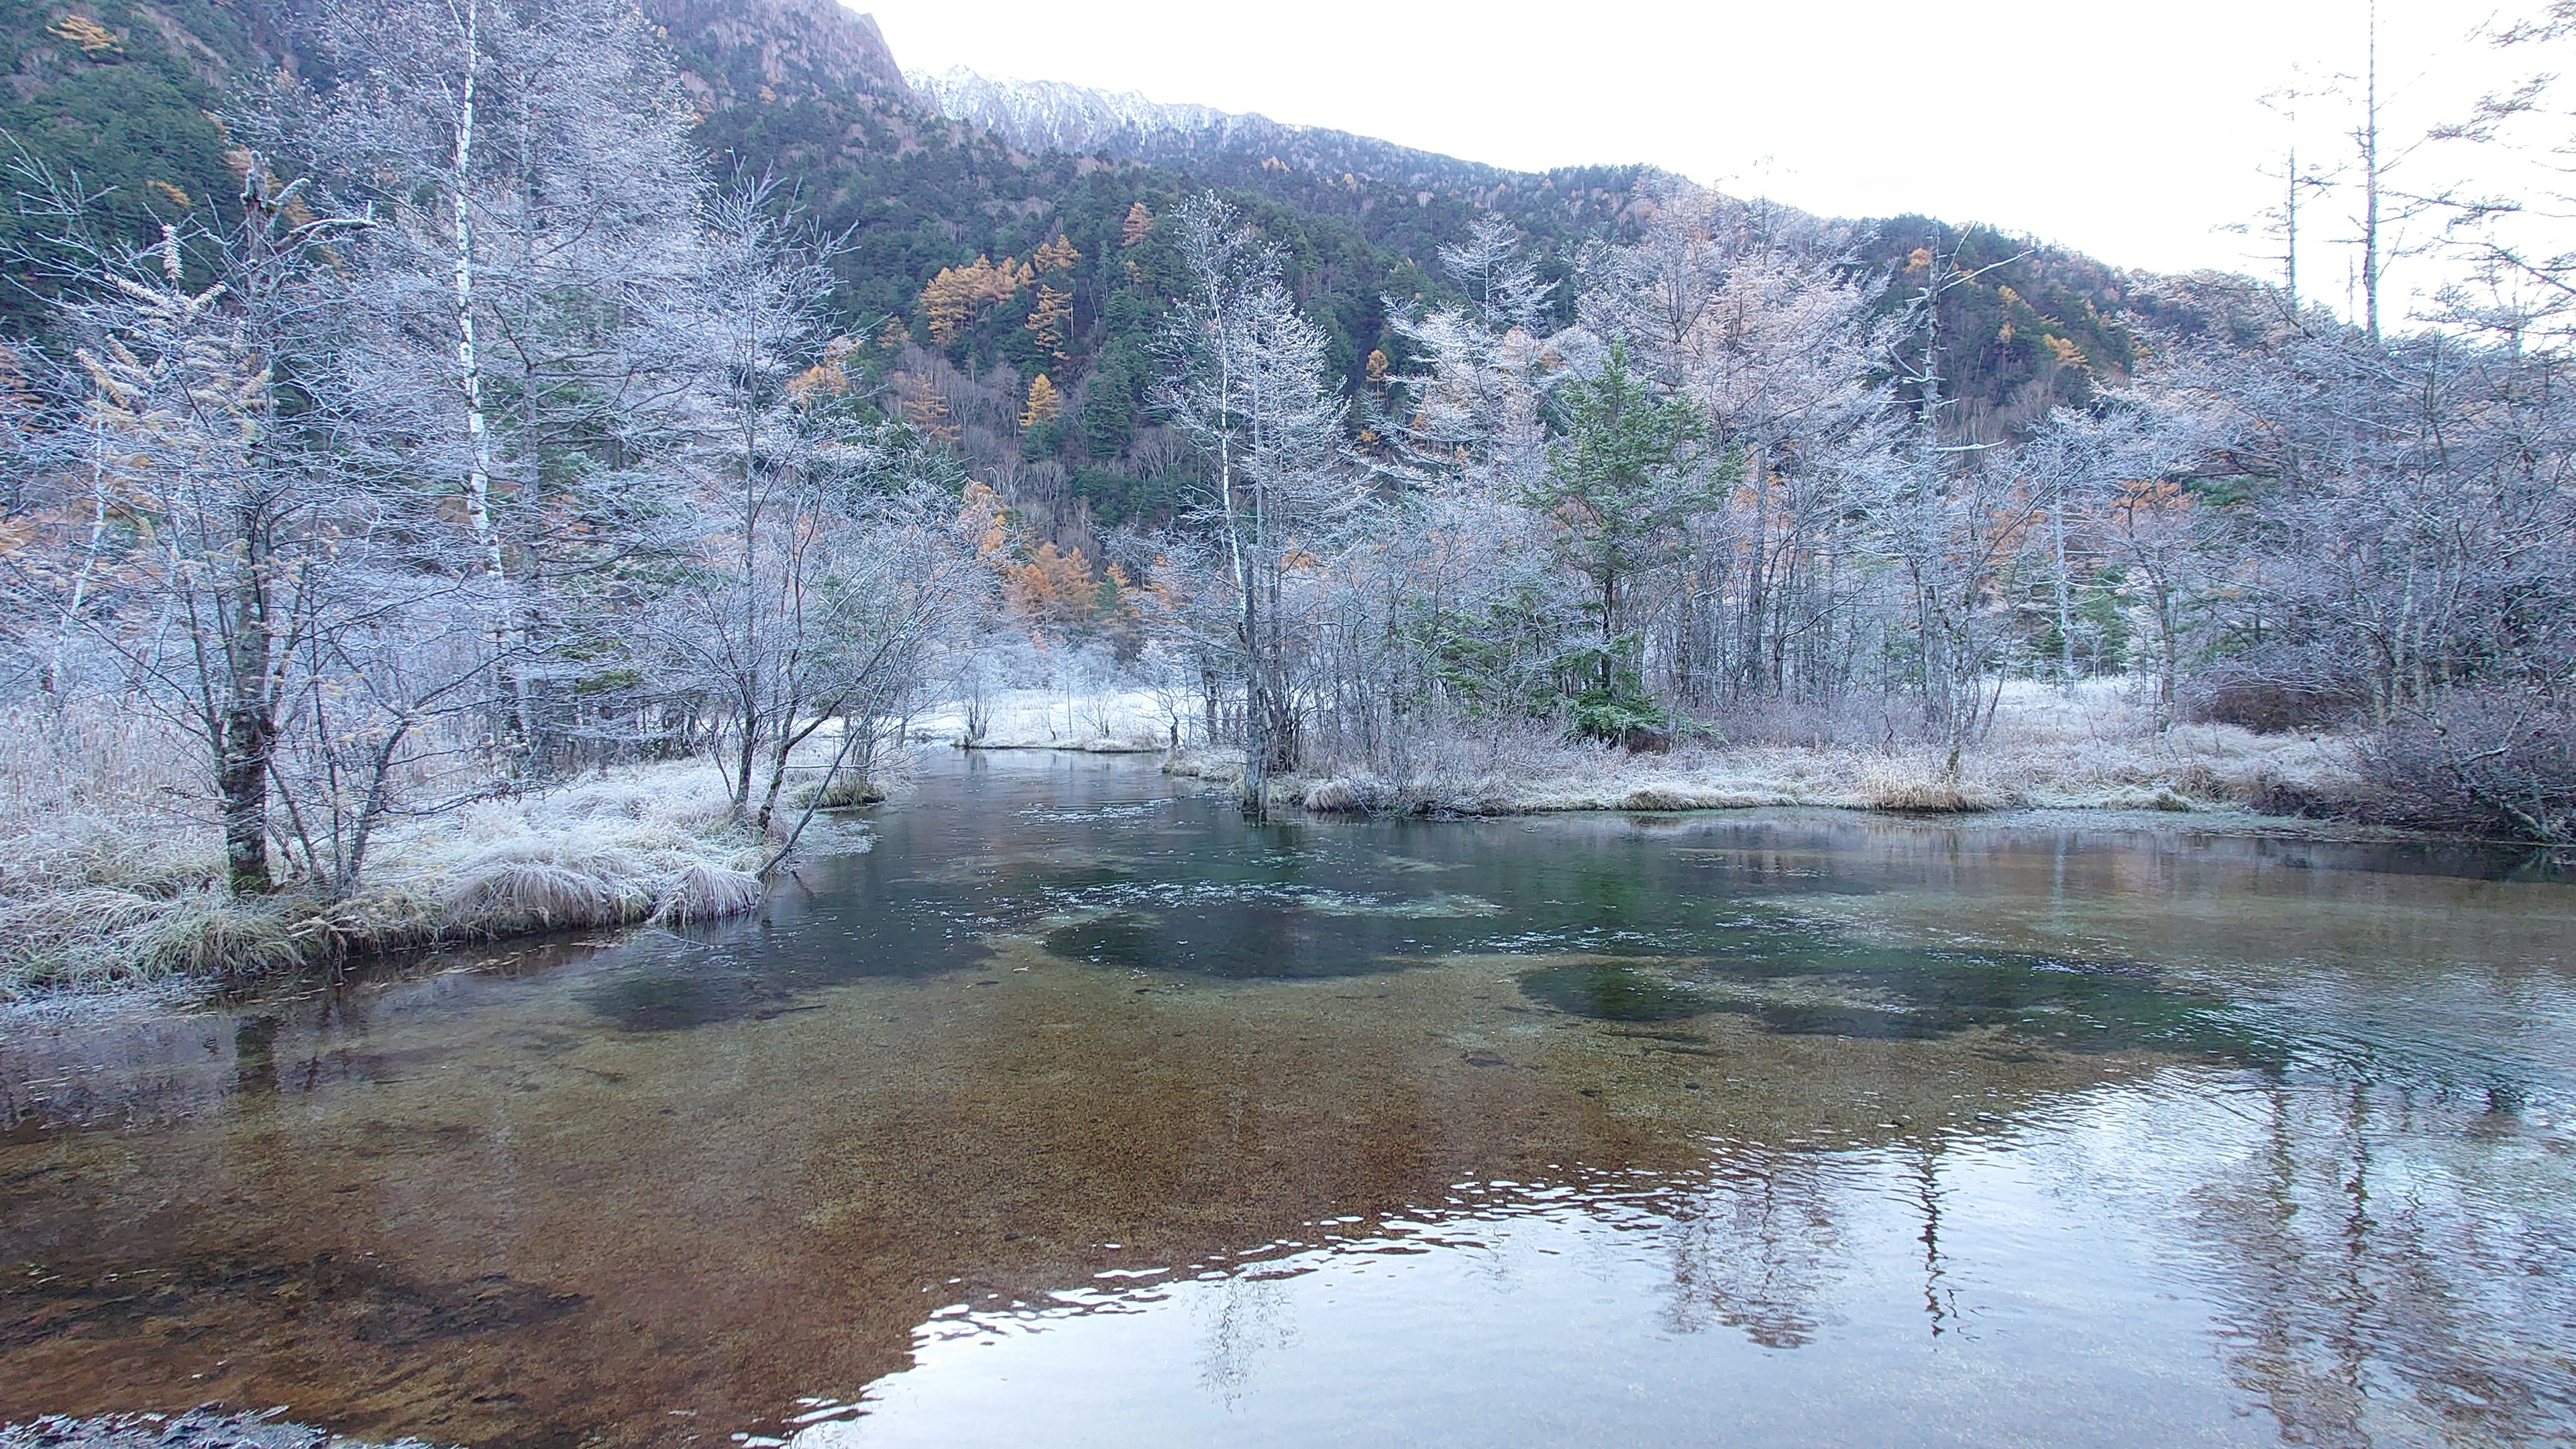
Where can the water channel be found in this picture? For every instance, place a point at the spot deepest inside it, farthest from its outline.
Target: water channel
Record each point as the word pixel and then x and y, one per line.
pixel 1077 1111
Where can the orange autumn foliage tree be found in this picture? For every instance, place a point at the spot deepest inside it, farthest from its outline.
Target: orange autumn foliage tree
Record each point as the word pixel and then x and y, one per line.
pixel 955 297
pixel 1052 587
pixel 923 407
pixel 1139 221
pixel 94 39
pixel 1056 588
pixel 982 513
pixel 1048 320
pixel 827 378
pixel 1056 256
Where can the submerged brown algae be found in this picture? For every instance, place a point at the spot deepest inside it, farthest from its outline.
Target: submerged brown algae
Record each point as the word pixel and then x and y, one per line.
pixel 682 1188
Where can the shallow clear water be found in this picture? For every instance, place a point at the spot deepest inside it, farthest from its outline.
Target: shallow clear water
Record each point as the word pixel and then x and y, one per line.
pixel 1079 1112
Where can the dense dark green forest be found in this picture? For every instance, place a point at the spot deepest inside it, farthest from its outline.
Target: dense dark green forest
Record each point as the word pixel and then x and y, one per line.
pixel 126 96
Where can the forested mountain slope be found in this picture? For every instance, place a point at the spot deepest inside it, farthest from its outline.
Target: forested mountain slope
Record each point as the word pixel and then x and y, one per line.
pixel 922 178
pixel 123 93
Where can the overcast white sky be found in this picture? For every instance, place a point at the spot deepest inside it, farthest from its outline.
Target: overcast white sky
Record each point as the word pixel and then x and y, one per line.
pixel 2132 132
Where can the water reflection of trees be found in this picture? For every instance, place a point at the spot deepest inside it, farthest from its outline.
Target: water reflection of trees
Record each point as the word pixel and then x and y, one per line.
pixel 1757 1243
pixel 2378 1274
pixel 1245 1317
pixel 1753 1247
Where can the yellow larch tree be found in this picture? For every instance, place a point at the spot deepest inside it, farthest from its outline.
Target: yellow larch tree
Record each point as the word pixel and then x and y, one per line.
pixel 1044 403
pixel 93 38
pixel 1048 320
pixel 953 298
pixel 948 300
pixel 1053 587
pixel 924 408
pixel 827 378
pixel 982 513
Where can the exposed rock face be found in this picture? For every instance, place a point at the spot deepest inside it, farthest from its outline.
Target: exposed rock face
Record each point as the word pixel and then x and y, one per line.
pixel 781 44
pixel 1054 116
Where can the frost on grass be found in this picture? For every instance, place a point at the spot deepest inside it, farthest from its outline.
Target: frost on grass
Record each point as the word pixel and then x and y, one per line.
pixel 1107 721
pixel 115 878
pixel 2087 748
pixel 2091 747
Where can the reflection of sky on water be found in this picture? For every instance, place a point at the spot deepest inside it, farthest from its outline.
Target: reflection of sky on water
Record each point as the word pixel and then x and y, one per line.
pixel 2205 1258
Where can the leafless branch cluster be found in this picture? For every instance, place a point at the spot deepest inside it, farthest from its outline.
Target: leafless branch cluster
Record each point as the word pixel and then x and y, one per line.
pixel 482 440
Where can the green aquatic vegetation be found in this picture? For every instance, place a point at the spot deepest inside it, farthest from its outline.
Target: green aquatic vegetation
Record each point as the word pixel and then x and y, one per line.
pixel 673 995
pixel 1120 940
pixel 1794 978
pixel 1248 939
pixel 2077 1006
pixel 1616 991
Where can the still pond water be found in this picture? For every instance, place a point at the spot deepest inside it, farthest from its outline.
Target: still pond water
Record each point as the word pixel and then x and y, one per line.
pixel 1078 1112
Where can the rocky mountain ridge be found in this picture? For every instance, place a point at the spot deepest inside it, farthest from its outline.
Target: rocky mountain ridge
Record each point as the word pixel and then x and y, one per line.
pixel 1041 116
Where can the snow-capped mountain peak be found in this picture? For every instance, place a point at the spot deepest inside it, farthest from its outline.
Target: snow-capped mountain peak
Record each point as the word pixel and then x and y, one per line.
pixel 1055 116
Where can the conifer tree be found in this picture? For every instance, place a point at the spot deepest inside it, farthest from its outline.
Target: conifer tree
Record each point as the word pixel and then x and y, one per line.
pixel 1049 320
pixel 1043 405
pixel 1622 487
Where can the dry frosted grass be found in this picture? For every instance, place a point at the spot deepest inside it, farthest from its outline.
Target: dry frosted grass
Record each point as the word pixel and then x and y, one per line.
pixel 638 843
pixel 2089 748
pixel 2096 747
pixel 700 891
pixel 97 795
pixel 1905 783
pixel 112 871
pixel 114 874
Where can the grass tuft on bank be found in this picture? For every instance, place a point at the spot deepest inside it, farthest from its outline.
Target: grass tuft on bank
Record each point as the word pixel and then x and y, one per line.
pixel 115 878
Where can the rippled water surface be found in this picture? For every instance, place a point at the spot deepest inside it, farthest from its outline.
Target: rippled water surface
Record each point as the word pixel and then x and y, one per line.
pixel 1079 1112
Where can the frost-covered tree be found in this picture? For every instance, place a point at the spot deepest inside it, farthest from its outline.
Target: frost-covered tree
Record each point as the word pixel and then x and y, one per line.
pixel 521 307
pixel 289 606
pixel 1247 386
pixel 827 562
